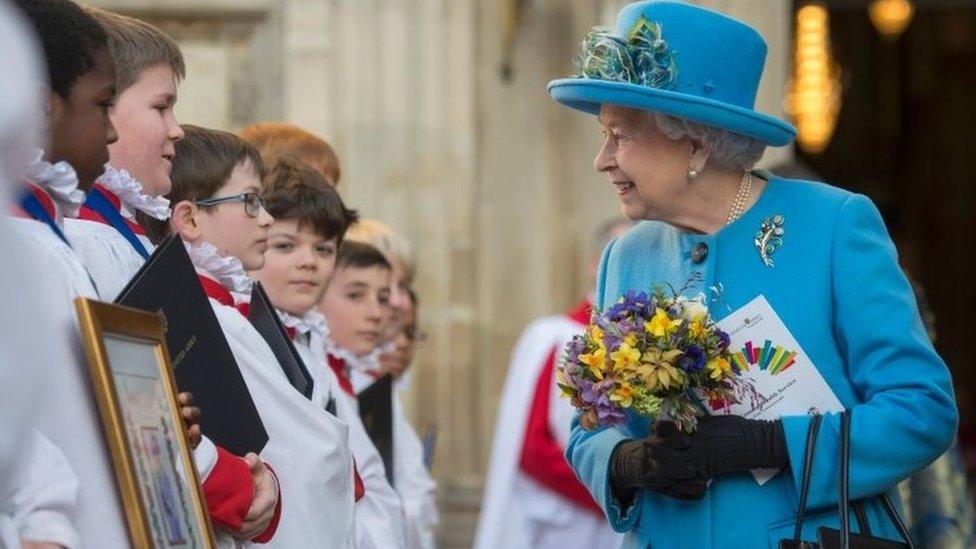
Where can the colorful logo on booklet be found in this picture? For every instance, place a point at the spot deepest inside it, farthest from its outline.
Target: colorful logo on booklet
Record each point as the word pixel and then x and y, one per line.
pixel 774 359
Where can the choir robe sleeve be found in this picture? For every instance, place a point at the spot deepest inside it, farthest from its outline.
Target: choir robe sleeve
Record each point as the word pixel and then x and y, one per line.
pixel 39 493
pixel 227 484
pixel 413 482
pixel 907 415
pixel 229 488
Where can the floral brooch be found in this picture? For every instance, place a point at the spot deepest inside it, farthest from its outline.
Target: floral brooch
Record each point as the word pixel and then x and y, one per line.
pixel 770 237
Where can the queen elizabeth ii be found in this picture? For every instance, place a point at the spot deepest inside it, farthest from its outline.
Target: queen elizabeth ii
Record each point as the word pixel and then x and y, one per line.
pixel 673 87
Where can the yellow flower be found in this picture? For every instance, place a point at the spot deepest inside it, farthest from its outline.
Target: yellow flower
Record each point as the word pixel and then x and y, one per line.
pixel 718 367
pixel 697 329
pixel 625 356
pixel 596 335
pixel 595 361
pixel 657 370
pixel 623 394
pixel 661 324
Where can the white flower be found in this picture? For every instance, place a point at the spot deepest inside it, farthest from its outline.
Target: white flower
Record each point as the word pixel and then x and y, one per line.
pixel 693 309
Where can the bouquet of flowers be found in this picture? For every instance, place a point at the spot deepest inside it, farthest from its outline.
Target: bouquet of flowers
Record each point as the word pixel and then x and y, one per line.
pixel 659 355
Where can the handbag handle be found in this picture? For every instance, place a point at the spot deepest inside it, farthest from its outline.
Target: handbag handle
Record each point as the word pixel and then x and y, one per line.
pixel 801 509
pixel 844 503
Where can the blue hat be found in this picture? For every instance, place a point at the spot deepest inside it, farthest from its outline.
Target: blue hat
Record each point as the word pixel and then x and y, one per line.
pixel 677 59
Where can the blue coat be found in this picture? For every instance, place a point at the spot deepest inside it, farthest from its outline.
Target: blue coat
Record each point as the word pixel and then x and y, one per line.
pixel 837 286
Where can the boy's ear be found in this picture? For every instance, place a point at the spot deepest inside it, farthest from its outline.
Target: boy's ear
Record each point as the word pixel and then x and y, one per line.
pixel 54 106
pixel 184 221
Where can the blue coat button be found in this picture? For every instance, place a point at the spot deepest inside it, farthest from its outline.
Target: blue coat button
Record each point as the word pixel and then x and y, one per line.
pixel 699 253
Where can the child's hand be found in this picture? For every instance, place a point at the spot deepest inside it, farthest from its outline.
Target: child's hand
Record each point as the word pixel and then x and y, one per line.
pixel 265 499
pixel 191 418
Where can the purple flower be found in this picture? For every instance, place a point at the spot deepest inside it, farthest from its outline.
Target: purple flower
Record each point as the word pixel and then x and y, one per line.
pixel 692 359
pixel 634 302
pixel 576 347
pixel 723 339
pixel 618 311
pixel 595 396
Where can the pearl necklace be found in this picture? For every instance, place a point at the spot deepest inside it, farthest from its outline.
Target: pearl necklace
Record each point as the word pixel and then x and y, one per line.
pixel 741 197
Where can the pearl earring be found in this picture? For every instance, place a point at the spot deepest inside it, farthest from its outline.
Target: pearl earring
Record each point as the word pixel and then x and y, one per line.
pixel 692 173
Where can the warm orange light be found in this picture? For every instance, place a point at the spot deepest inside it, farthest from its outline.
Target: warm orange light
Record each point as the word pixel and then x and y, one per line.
pixel 891 17
pixel 813 99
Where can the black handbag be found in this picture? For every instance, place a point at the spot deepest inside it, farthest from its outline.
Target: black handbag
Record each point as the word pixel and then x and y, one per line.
pixel 843 538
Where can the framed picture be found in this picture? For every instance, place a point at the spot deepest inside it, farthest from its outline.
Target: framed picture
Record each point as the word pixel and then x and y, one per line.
pixel 136 394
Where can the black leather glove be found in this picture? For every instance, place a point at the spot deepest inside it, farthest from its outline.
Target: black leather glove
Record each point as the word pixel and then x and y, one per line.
pixel 720 445
pixel 631 469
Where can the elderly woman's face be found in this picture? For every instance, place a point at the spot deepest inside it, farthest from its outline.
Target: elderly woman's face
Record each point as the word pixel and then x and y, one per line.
pixel 646 168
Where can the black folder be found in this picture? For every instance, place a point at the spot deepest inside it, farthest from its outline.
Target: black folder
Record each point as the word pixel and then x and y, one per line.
pixel 376 411
pixel 265 320
pixel 202 360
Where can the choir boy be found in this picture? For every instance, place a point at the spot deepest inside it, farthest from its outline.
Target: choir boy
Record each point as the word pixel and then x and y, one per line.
pixel 356 304
pixel 218 211
pixel 79 90
pixel 310 221
pixel 241 493
pixel 411 479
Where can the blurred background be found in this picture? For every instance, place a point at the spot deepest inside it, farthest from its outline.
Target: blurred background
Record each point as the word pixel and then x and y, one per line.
pixel 439 113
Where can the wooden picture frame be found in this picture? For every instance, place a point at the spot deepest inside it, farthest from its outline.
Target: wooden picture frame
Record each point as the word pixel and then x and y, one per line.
pixel 137 399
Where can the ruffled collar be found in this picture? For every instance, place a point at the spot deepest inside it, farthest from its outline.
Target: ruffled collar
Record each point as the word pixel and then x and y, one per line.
pixel 129 191
pixel 366 363
pixel 312 322
pixel 227 270
pixel 60 181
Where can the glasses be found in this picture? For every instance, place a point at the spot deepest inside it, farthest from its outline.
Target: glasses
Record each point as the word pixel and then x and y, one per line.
pixel 253 203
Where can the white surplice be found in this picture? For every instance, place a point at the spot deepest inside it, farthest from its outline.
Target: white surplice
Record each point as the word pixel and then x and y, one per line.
pixel 517 512
pixel 308 447
pixel 411 479
pixel 379 514
pixel 38 488
pixel 109 257
pixel 69 416
pixel 112 262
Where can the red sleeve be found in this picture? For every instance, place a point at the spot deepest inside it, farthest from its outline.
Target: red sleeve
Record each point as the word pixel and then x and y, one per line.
pixel 269 532
pixel 542 457
pixel 229 490
pixel 360 488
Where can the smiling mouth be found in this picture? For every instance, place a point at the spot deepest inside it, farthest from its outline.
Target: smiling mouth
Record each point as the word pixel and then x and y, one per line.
pixel 624 187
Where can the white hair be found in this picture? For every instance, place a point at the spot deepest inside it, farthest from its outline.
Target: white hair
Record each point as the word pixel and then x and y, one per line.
pixel 728 149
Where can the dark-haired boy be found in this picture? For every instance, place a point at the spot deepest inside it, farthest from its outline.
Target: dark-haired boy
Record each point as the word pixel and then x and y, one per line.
pixel 310 221
pixel 80 90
